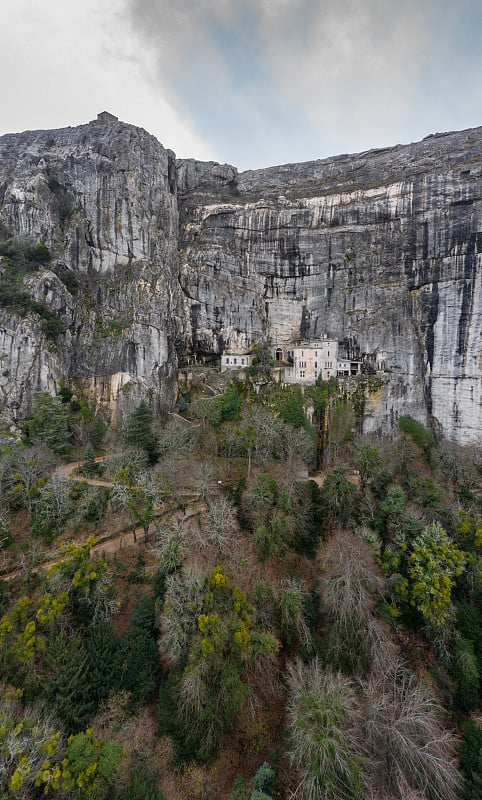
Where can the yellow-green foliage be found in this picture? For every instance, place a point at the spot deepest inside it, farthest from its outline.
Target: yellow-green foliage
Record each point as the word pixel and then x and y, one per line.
pixel 33 754
pixel 77 567
pixel 225 626
pixel 214 633
pixel 22 628
pixel 432 567
pixel 468 531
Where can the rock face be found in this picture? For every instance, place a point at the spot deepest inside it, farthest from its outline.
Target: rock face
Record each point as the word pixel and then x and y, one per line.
pixel 380 250
pixel 103 199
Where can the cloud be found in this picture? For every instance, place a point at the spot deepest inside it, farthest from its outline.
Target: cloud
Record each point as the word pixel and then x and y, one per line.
pixel 63 62
pixel 251 82
pixel 269 80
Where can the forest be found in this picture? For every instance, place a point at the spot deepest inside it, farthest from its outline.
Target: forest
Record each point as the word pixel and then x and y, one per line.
pixel 246 599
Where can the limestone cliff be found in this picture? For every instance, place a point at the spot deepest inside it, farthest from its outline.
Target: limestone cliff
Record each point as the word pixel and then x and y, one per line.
pixel 102 197
pixel 381 250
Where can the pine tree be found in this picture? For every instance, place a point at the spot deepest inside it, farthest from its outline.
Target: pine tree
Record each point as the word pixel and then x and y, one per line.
pixel 48 423
pixel 68 689
pixel 90 466
pixel 101 673
pixel 137 662
pixel 140 433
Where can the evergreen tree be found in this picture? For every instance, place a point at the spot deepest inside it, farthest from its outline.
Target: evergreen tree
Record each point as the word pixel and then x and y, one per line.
pixel 470 755
pixel 68 691
pixel 48 423
pixel 90 466
pixel 137 655
pixel 143 787
pixel 140 433
pixel 137 662
pixel 143 614
pixel 101 675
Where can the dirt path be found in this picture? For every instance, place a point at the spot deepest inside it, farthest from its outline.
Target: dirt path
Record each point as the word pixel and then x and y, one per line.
pixel 111 543
pixel 351 477
pixel 69 470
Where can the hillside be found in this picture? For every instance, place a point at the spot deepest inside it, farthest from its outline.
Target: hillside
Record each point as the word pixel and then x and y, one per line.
pixel 202 612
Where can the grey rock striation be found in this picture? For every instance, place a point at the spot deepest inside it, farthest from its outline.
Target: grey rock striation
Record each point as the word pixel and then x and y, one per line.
pixel 381 250
pixel 103 199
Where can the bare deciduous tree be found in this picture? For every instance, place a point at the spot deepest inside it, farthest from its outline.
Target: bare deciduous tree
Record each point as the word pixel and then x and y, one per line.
pixel 169 542
pixel 22 472
pixel 349 585
pixel 404 730
pixel 292 614
pixel 350 578
pixel 182 606
pixel 324 720
pixel 52 505
pixel 220 524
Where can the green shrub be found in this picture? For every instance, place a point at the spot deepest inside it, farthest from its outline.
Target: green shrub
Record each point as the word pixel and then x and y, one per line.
pixel 271 540
pixel 463 669
pixel 142 787
pixel 240 789
pixel 231 403
pixel 263 780
pixel 417 431
pixel 68 278
pixel 39 254
pixel 290 406
pixel 470 754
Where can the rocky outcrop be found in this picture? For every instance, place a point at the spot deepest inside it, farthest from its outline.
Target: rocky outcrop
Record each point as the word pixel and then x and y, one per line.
pixel 380 250
pixel 102 197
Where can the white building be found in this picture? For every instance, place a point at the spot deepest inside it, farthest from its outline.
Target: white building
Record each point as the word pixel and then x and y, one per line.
pixel 346 368
pixel 235 360
pixel 312 360
pixel 307 361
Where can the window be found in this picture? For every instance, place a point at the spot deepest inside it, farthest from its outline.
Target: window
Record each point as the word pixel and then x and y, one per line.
pixel 302 373
pixel 242 361
pixel 316 364
pixel 227 361
pixel 235 360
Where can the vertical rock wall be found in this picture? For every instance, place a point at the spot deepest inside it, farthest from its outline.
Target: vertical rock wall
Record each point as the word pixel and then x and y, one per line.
pixel 381 250
pixel 103 199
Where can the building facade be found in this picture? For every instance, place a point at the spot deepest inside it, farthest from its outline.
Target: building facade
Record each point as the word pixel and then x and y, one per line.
pixel 312 360
pixel 235 361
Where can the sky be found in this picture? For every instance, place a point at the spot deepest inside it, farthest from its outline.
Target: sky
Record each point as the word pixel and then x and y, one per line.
pixel 251 83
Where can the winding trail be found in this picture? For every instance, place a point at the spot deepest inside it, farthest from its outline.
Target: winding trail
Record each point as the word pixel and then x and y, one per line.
pixel 186 508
